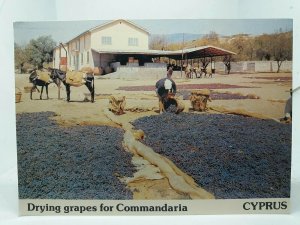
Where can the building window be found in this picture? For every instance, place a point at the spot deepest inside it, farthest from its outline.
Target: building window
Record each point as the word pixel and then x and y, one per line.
pixel 81 56
pixel 133 42
pixel 87 57
pixel 74 60
pixel 106 40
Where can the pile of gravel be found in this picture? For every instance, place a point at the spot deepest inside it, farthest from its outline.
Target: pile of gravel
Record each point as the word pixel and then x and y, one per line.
pixel 230 156
pixel 80 162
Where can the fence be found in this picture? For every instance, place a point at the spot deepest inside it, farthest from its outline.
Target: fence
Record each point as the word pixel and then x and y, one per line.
pixel 152 71
pixel 255 66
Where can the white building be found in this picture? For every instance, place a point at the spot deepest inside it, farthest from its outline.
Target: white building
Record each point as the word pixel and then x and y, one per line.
pixel 98 46
pixel 123 45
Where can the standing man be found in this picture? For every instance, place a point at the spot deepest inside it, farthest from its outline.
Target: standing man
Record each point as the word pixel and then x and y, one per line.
pixel 165 90
pixel 288 109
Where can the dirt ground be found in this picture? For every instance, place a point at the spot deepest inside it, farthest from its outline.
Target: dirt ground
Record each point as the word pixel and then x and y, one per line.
pixel 271 91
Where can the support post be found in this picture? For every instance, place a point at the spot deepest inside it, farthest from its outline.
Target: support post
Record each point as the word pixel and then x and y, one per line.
pixel 182 54
pixel 59 84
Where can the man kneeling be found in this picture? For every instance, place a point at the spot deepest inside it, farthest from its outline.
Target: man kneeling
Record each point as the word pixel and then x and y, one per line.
pixel 166 90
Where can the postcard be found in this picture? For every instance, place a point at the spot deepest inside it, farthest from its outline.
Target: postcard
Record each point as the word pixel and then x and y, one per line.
pixel 154 117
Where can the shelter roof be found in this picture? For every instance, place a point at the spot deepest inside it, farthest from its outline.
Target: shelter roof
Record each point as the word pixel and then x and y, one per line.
pixel 191 53
pixel 201 52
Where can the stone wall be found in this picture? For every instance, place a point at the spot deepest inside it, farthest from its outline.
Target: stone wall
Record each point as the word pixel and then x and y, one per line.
pixel 255 66
pixel 139 72
pixel 271 66
pixel 155 71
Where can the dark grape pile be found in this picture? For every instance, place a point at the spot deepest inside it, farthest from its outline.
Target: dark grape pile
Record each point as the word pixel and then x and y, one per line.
pixel 230 156
pixel 79 162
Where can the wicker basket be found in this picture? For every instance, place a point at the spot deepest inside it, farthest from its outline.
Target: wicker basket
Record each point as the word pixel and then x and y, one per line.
pixel 27 89
pixel 98 71
pixel 18 95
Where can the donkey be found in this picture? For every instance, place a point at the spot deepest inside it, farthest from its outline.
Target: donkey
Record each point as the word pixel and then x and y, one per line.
pixel 88 80
pixel 36 80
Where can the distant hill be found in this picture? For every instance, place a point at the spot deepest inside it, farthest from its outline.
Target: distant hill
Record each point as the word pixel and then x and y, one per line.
pixel 177 37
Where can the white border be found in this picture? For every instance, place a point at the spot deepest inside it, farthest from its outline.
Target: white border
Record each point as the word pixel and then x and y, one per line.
pixel 45 10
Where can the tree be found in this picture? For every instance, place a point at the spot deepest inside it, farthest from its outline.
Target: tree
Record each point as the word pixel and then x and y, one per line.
pixel 249 49
pixel 40 50
pixel 227 61
pixel 212 38
pixel 20 57
pixel 205 62
pixel 239 45
pixel 158 42
pixel 262 46
pixel 209 39
pixel 281 48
